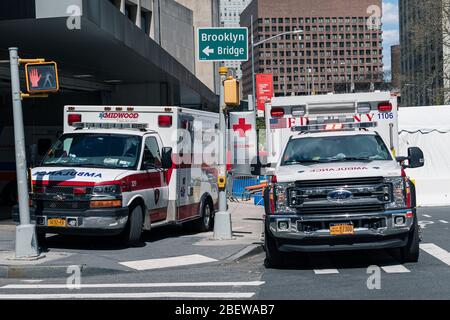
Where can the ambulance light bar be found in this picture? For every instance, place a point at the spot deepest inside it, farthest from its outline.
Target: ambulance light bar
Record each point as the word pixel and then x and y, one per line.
pixel 364 108
pixel 299 111
pixel 110 125
pixel 334 126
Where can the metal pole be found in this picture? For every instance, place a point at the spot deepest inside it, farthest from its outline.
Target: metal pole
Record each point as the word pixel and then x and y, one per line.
pixel 222 219
pixel 253 65
pixel 26 244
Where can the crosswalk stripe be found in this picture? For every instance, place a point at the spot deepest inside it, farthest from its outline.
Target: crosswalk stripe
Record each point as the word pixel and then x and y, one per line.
pixel 32 281
pixel 398 268
pixel 137 295
pixel 326 271
pixel 443 221
pixel 388 263
pixel 427 215
pixel 150 264
pixel 137 285
pixel 322 264
pixel 436 252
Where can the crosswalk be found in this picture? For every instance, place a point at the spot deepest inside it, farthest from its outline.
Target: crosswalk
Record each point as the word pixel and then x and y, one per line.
pixel 161 263
pixel 436 252
pixel 196 290
pixel 388 263
pixel 394 268
pixel 321 266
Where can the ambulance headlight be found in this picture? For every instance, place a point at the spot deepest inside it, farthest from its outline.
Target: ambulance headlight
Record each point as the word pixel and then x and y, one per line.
pixel 398 199
pixel 107 190
pixel 282 199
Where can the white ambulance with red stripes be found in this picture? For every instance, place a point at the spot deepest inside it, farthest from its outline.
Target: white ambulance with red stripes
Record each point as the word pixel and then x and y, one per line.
pixel 120 170
pixel 336 181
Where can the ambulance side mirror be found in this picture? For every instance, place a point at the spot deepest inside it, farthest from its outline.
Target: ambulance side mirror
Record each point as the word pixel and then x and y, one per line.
pixel 166 157
pixel 415 157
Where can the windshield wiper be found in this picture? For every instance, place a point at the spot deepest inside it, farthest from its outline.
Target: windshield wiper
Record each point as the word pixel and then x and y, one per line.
pixel 97 165
pixel 293 162
pixel 352 159
pixel 52 164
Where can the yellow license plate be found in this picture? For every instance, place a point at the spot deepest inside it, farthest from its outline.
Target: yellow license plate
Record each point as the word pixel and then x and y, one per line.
pixel 341 229
pixel 56 222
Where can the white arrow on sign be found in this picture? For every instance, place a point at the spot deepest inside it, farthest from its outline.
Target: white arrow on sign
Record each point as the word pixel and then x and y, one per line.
pixel 207 51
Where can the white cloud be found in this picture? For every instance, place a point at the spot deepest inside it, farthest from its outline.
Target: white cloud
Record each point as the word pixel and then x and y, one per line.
pixel 391 37
pixel 390 13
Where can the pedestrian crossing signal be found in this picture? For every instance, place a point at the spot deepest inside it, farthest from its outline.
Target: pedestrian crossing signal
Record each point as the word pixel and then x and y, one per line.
pixel 42 77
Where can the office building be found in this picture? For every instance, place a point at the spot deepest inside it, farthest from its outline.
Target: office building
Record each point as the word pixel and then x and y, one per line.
pixel 205 14
pixel 339 48
pixel 424 44
pixel 230 16
pixel 395 66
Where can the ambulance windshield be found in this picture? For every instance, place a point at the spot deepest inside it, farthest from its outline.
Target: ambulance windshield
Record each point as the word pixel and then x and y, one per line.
pixel 112 151
pixel 310 150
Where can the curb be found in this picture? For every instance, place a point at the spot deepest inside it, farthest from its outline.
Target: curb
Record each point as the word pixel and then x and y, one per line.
pixel 251 250
pixel 56 271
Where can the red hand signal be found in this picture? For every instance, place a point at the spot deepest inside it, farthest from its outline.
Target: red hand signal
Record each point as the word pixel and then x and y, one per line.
pixel 34 78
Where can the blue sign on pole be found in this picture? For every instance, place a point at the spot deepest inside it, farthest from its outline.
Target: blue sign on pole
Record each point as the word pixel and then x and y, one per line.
pixel 222 44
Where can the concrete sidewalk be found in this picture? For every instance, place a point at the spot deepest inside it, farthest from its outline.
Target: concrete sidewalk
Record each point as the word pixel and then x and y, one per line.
pixel 160 246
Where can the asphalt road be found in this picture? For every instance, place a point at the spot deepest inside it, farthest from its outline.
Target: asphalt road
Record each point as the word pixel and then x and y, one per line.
pixel 315 276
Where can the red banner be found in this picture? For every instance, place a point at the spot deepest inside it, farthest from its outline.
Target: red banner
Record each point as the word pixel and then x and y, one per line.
pixel 264 89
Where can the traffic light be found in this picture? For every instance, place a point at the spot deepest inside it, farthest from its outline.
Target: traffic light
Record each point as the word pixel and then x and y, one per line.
pixel 42 77
pixel 232 93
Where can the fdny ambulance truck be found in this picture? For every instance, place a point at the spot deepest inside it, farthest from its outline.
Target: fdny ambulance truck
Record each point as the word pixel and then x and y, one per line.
pixel 337 182
pixel 122 170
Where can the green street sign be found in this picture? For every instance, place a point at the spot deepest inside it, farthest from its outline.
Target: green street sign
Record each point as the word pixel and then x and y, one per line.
pixel 222 44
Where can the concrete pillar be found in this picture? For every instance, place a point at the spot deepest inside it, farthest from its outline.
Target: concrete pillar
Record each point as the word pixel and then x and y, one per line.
pixel 122 6
pixel 138 14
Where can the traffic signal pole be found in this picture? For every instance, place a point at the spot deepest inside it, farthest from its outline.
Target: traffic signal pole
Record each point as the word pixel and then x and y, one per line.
pixel 222 219
pixel 26 244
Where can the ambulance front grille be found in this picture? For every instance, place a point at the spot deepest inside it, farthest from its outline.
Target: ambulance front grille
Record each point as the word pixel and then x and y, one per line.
pixel 342 209
pixel 367 195
pixel 63 205
pixel 339 182
pixel 64 190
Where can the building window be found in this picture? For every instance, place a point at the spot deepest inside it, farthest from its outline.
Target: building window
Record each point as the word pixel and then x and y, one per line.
pixel 146 22
pixel 129 12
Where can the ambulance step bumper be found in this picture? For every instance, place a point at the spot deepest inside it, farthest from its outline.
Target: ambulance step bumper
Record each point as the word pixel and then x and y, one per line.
pixel 378 230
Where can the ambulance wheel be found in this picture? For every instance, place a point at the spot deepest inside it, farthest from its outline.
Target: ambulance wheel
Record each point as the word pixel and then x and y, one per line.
pixel 274 258
pixel 133 230
pixel 410 253
pixel 205 222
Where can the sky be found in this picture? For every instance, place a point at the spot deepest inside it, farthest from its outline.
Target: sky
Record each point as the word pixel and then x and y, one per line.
pixel 390 30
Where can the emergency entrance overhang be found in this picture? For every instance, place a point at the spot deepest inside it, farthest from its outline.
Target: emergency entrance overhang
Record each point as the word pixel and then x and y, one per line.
pixel 108 47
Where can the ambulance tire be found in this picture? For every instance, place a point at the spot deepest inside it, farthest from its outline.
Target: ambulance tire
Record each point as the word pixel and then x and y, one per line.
pixel 132 233
pixel 410 253
pixel 205 222
pixel 274 258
